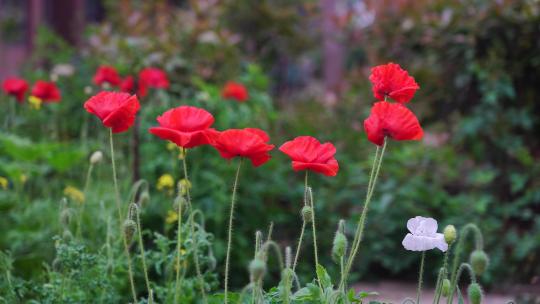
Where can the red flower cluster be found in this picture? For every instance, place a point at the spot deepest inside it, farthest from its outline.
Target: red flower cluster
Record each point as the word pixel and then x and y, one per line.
pixel 387 119
pixel 107 74
pixel 152 78
pixel 115 110
pixel 46 91
pixel 390 80
pixel 186 126
pixel 127 85
pixel 249 143
pixel 307 153
pixel 236 91
pixel 16 87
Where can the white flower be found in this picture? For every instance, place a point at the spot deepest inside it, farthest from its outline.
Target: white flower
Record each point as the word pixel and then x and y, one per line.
pixel 423 235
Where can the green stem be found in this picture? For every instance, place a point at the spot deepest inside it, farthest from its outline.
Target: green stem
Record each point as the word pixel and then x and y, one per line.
pixel 442 276
pixel 178 248
pixel 119 210
pixel 361 222
pixel 229 239
pixel 141 248
pixel 192 232
pixel 420 277
pixel 299 245
pixel 313 228
pixel 85 192
pixel 455 281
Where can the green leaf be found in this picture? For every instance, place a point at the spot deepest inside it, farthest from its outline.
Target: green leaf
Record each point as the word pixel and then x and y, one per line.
pixel 323 276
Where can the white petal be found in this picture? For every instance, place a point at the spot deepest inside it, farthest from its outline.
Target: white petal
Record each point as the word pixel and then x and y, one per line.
pixel 413 223
pixel 441 243
pixel 413 243
pixel 427 227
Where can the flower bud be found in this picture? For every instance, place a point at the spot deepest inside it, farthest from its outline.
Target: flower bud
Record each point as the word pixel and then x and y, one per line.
pixel 179 201
pixel 307 213
pixel 96 157
pixel 257 269
pixel 145 198
pixel 475 293
pixel 450 234
pixel 445 289
pixel 65 216
pixel 339 246
pixel 130 227
pixel 479 261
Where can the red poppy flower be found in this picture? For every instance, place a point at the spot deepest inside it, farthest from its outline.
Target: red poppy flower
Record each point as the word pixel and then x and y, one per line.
pixel 127 85
pixel 236 91
pixel 307 153
pixel 186 126
pixel 46 91
pixel 250 143
pixel 107 74
pixel 392 81
pixel 152 78
pixel 393 120
pixel 15 87
pixel 116 110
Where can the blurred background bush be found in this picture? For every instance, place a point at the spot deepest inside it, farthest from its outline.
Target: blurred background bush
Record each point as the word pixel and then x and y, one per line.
pixel 306 65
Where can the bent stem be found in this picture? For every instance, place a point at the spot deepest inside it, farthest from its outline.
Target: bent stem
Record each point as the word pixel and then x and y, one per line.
pixel 377 161
pixel 85 190
pixel 231 216
pixel 420 277
pixel 297 255
pixel 192 231
pixel 119 210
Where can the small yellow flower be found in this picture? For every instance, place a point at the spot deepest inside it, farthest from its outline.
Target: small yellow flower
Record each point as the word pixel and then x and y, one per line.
pixel 172 217
pixel 165 182
pixel 184 185
pixel 74 194
pixel 3 182
pixel 35 102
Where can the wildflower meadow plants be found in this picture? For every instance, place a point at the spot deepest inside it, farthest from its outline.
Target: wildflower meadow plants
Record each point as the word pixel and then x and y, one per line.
pixel 183 269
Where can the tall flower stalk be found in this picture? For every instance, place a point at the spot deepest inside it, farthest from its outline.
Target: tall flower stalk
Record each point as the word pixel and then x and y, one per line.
pixel 120 221
pixel 229 233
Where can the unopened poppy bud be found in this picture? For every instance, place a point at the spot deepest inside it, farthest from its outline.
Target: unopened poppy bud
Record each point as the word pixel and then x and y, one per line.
pixel 65 216
pixel 130 227
pixel 450 234
pixel 479 261
pixel 445 289
pixel 96 157
pixel 257 269
pixel 145 198
pixel 475 293
pixel 307 213
pixel 339 246
pixel 179 201
pixel 67 236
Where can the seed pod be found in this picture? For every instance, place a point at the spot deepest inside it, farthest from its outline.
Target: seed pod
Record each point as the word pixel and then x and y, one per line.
pixel 475 293
pixel 445 289
pixel 307 213
pixel 96 157
pixel 130 227
pixel 450 234
pixel 257 269
pixel 479 261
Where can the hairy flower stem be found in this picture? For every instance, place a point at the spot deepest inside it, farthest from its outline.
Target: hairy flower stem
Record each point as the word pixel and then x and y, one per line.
pixel 313 228
pixel 442 275
pixel 178 248
pixel 229 239
pixel 377 161
pixel 299 245
pixel 420 278
pixel 192 232
pixel 120 221
pixel 143 255
pixel 479 244
pixel 85 192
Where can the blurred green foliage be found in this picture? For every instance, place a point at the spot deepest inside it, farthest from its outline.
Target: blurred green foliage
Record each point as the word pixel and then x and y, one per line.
pixel 477 64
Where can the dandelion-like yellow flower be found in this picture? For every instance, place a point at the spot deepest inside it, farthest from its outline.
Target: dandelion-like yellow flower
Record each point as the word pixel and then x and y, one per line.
pixel 184 185
pixel 35 102
pixel 3 182
pixel 172 217
pixel 74 194
pixel 165 182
